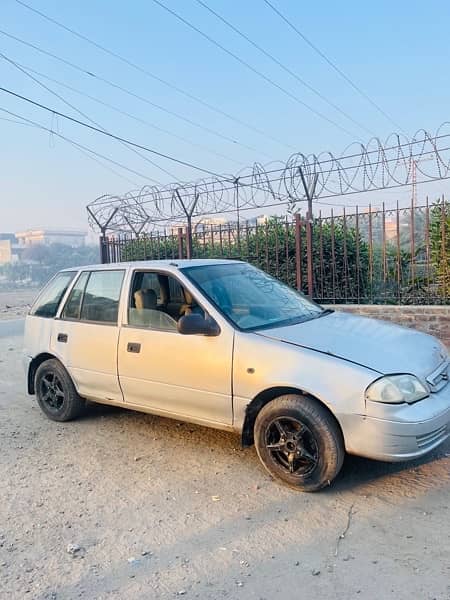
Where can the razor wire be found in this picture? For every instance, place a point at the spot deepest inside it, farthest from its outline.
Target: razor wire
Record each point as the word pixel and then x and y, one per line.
pixel 360 168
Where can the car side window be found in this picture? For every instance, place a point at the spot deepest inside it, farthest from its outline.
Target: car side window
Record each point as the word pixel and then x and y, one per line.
pixel 150 282
pixel 49 299
pixel 100 301
pixel 158 301
pixel 72 309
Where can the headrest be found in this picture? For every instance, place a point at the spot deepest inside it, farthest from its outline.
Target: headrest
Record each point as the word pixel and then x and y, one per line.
pixel 145 298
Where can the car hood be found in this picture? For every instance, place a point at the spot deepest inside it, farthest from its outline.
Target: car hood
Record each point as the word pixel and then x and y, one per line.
pixel 372 343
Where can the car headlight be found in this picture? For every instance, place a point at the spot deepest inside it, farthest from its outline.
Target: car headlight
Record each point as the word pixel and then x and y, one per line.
pixel 395 389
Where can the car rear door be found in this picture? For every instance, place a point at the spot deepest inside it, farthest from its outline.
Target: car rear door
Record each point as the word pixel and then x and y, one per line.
pixel 85 336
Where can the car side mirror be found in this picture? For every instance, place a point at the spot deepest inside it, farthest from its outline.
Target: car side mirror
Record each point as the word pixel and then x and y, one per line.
pixel 194 324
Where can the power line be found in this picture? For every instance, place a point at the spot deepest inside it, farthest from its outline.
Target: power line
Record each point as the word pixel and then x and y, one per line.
pixel 37 126
pixel 15 121
pixel 80 112
pixel 152 75
pixel 127 114
pixel 108 134
pixel 76 144
pixel 127 141
pixel 116 86
pixel 333 65
pixel 99 162
pixel 284 67
pixel 253 69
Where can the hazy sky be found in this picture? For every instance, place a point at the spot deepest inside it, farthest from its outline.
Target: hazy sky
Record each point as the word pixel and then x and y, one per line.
pixel 398 52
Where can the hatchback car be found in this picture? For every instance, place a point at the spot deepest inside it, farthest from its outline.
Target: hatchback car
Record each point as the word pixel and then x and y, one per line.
pixel 221 343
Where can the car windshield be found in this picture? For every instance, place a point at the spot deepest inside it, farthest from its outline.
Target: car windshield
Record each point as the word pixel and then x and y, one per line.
pixel 250 298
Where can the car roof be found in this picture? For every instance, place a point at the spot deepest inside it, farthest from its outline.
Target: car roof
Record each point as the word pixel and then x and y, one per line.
pixel 169 264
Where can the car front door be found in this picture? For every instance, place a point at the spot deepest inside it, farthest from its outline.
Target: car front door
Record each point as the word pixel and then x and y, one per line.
pixel 163 371
pixel 86 334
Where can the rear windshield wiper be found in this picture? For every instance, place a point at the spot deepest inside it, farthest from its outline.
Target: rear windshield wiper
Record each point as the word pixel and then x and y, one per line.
pixel 326 311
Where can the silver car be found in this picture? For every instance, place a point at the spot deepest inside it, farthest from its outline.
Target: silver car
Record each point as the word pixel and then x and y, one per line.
pixel 222 344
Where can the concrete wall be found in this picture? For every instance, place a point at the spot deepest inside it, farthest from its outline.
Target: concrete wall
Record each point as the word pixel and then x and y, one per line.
pixel 430 319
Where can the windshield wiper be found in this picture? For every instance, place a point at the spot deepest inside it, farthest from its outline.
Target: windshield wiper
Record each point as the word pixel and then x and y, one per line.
pixel 326 311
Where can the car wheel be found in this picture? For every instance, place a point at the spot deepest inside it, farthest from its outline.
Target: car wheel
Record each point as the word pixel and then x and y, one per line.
pixel 56 393
pixel 299 442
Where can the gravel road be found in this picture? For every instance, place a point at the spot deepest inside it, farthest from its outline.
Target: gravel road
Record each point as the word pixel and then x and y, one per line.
pixel 129 506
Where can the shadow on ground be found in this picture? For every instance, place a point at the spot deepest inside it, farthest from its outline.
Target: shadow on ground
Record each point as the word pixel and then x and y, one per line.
pixel 356 471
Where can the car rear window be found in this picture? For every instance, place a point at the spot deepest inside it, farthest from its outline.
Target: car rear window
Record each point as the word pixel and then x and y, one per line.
pixel 47 303
pixel 101 297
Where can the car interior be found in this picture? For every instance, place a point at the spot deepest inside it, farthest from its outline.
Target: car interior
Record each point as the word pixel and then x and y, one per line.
pixel 158 301
pixel 96 308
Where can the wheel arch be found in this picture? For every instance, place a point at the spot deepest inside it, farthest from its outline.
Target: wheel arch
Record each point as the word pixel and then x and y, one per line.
pixel 266 396
pixel 33 367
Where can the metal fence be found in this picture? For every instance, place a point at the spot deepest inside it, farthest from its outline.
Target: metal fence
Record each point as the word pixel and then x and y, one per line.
pixel 384 256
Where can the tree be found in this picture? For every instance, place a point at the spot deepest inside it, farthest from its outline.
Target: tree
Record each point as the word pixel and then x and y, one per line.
pixel 40 262
pixel 440 247
pixel 38 253
pixel 340 255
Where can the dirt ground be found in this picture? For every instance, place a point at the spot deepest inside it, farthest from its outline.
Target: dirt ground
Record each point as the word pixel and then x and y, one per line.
pixel 15 303
pixel 128 506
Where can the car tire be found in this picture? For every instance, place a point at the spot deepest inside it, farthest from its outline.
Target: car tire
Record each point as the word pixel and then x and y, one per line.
pixel 56 393
pixel 299 442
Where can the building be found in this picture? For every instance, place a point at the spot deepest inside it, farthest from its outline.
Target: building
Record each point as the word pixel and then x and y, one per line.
pixel 208 224
pixel 51 236
pixel 8 248
pixel 5 252
pixel 390 228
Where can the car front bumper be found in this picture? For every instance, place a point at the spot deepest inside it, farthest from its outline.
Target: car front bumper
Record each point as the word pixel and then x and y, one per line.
pixel 403 432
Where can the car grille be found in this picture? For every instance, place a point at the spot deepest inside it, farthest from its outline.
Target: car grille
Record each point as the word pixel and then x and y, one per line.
pixel 440 377
pixel 433 437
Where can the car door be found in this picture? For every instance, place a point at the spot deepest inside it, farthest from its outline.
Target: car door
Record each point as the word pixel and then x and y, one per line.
pixel 163 371
pixel 86 334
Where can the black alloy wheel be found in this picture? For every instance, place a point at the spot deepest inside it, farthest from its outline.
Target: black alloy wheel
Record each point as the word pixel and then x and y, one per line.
pixel 292 445
pixel 56 393
pixel 299 442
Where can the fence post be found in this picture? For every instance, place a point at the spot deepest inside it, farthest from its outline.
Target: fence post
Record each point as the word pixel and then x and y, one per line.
pixel 309 190
pixel 103 248
pixel 444 242
pixel 104 245
pixel 180 242
pixel 309 251
pixel 189 237
pixel 413 244
pixel 298 251
pixel 238 218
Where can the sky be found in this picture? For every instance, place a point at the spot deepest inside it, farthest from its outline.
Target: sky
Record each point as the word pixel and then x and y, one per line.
pixel 397 52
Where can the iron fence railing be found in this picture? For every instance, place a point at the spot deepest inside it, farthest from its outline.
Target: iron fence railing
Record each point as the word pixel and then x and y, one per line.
pixel 383 256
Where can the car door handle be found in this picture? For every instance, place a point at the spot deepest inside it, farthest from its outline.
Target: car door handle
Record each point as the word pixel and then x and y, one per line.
pixel 133 347
pixel 63 337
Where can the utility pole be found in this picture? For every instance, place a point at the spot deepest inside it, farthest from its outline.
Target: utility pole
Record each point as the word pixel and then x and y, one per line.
pixel 414 162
